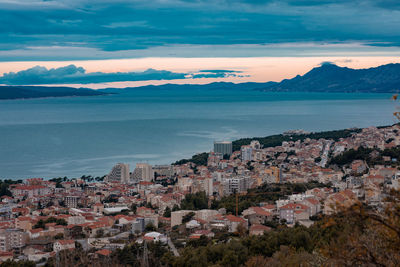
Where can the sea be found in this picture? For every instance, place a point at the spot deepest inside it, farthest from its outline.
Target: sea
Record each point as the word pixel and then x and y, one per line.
pixel 75 136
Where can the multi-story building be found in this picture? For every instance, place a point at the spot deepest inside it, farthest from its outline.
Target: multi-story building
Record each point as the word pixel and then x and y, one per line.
pixel 163 170
pixel 12 239
pixel 239 184
pixel 71 201
pixel 223 147
pixel 255 144
pixel 30 190
pixel 143 172
pixel 63 244
pixel 246 153
pixel 119 173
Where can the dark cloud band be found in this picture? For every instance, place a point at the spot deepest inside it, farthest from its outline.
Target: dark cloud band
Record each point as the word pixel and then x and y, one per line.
pixel 77 75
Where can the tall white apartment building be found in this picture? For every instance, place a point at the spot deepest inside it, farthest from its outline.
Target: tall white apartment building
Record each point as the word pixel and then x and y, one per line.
pixel 246 153
pixel 143 172
pixel 119 173
pixel 239 184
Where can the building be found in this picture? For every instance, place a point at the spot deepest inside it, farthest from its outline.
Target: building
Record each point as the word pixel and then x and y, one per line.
pixel 119 174
pixel 143 172
pixel 246 153
pixel 30 190
pixel 12 239
pixel 259 229
pixel 223 147
pixel 71 201
pixel 239 184
pixel 255 144
pixel 177 216
pixel 63 244
pixel 138 225
pixel 294 212
pixel 163 170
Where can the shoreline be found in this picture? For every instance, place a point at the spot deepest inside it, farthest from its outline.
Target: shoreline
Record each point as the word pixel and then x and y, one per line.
pixel 299 136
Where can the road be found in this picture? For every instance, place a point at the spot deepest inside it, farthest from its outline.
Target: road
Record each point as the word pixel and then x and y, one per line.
pixel 325 154
pixel 172 247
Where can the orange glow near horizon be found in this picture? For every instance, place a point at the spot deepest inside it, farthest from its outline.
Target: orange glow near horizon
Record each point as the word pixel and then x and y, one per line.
pixel 255 69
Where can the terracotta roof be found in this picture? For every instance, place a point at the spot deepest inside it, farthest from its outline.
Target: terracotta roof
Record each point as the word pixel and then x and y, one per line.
pixel 34 231
pixel 233 218
pixel 104 252
pixel 259 227
pixel 66 242
pixel 6 253
pixel 312 201
pixel 294 206
pixel 260 211
pixel 29 187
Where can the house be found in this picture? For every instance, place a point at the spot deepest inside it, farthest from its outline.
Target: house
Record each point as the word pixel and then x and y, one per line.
pixel 24 223
pixel 344 199
pixel 257 215
pixel 144 212
pixel 6 255
pixel 313 204
pixel 233 223
pixel 63 244
pixel 123 219
pixel 103 253
pixel 35 233
pixel 206 233
pixel 294 212
pixel 74 231
pixel 40 255
pixel 155 237
pixel 258 229
pixel 98 208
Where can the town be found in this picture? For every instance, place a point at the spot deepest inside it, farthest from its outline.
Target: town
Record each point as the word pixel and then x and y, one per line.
pixel 230 190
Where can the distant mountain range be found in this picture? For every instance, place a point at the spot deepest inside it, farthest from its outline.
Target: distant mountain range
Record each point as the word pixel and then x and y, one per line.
pixel 326 78
pixel 208 86
pixel 18 92
pixel 332 78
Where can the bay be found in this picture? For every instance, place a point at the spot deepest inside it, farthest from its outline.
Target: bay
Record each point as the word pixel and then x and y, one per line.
pixel 77 136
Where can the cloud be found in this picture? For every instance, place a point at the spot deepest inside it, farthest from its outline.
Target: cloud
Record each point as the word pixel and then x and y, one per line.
pixel 324 63
pixel 72 74
pixel 111 26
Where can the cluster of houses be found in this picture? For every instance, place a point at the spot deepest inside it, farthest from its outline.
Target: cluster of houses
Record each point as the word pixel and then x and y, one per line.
pixel 41 218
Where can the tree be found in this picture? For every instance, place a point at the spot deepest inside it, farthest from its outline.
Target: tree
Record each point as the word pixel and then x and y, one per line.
pixel 188 217
pixel 167 212
pixel 150 227
pixel 134 208
pixel 99 233
pixel 195 201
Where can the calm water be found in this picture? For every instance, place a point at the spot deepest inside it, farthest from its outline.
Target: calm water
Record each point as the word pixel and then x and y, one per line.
pixel 88 135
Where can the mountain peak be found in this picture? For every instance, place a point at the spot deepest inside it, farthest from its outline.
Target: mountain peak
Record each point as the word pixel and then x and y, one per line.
pixel 328 77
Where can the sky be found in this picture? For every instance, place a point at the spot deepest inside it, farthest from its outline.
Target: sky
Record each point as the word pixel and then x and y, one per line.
pixel 118 43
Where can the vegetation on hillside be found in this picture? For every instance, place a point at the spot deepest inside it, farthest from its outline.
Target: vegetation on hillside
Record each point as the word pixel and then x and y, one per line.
pixel 5 184
pixel 42 223
pixel 276 140
pixel 196 201
pixel 372 156
pixel 198 159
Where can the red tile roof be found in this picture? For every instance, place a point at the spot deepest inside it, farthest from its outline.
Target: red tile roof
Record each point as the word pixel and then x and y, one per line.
pixel 233 218
pixel 104 252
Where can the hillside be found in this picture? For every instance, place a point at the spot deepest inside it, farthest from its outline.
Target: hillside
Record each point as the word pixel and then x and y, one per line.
pixel 209 86
pixel 332 78
pixel 19 92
